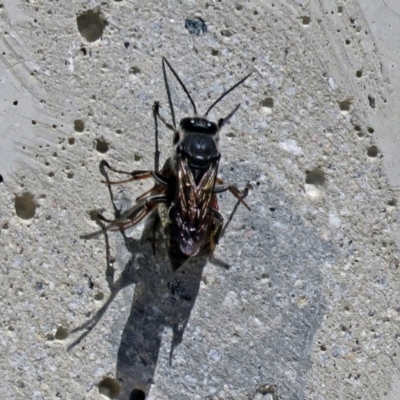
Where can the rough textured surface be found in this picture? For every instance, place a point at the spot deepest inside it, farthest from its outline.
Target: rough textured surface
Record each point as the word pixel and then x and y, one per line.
pixel 310 306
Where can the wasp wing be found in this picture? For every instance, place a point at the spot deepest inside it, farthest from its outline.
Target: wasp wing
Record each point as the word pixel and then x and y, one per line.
pixel 192 208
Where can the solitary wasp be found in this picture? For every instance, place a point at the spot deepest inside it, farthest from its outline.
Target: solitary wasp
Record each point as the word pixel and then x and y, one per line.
pixel 185 189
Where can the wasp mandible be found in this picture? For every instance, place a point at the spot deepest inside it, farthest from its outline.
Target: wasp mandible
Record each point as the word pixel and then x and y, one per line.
pixel 186 187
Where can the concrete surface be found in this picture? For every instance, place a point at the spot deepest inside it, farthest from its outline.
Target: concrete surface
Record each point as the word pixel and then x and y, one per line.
pixel 310 306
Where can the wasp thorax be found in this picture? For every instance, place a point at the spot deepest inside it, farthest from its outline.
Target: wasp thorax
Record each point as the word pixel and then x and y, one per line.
pixel 199 141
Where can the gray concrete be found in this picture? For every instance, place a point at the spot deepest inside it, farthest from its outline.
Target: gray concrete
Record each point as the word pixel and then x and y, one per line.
pixel 309 308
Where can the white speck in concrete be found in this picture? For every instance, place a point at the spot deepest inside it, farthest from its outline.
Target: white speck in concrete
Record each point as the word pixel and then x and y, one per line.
pixel 291 146
pixel 334 219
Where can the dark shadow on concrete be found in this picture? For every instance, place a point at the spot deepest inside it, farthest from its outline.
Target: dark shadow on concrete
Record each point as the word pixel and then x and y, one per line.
pixel 162 299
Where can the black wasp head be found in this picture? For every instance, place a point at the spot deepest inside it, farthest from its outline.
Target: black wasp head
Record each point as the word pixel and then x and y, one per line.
pixel 198 125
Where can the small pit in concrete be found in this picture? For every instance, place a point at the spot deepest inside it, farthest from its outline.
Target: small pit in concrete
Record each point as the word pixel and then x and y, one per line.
pixel 91 25
pixel 61 333
pixel 109 387
pixel 101 146
pixel 79 125
pixel 25 206
pixel 315 183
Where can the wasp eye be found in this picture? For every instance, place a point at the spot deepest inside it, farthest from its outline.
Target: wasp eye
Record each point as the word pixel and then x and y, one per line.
pixel 192 121
pixel 208 124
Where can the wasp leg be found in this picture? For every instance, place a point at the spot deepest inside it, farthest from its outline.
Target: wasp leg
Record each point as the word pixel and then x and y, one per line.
pixel 154 227
pixel 136 213
pixel 130 217
pixel 240 200
pixel 135 175
pixel 156 189
pixel 156 111
pixel 218 222
pixel 223 187
pixel 101 218
pixel 156 107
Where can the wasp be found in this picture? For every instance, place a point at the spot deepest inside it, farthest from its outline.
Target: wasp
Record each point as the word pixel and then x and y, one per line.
pixel 186 187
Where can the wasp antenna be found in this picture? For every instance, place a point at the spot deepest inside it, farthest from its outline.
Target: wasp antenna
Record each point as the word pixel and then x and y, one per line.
pixel 171 106
pixel 223 121
pixel 227 92
pixel 165 61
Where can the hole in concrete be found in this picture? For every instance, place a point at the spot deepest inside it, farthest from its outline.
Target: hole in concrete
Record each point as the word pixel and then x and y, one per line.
pixel 267 105
pixel 322 347
pixel 134 70
pixel 305 20
pixel 348 41
pixel 268 389
pixel 83 51
pixel 370 130
pixel 196 26
pixel 50 174
pixel 118 131
pixel 214 52
pixel 137 394
pixel 357 128
pixel 91 25
pixel 315 182
pixel 126 45
pixel 101 146
pixel 315 177
pixel 49 337
pixel 1 179
pixel 372 151
pixel 392 203
pixel 99 296
pixel 25 206
pixel 15 103
pixel 93 214
pixel 33 122
pixel 344 106
pixel 110 388
pixel 226 33
pixel 21 384
pixel 371 101
pixel 61 333
pixel 70 175
pixel 238 7
pixel 359 73
pixel 71 141
pixel 360 134
pixel 79 125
